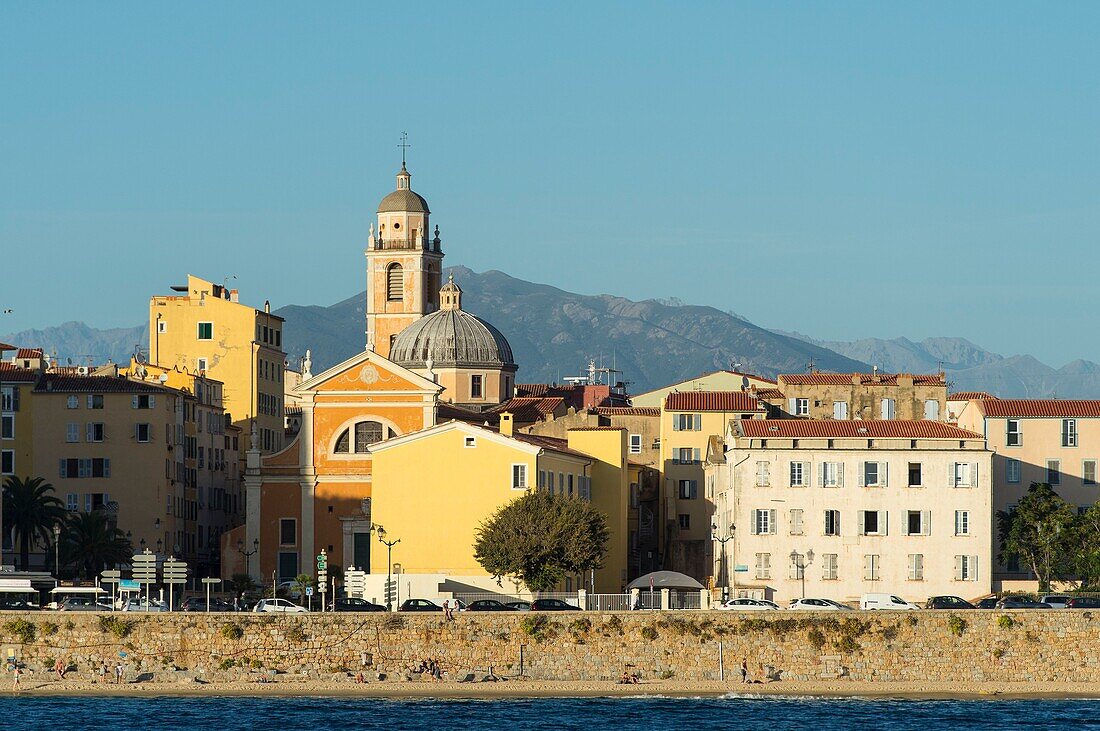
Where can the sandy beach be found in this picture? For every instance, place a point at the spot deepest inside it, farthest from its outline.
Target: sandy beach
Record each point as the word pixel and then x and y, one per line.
pixel 520 688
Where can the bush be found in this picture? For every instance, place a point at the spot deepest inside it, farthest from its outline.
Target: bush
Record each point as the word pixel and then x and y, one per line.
pixel 1006 622
pixel 649 633
pixel 580 626
pixel 296 634
pixel 999 653
pixel 227 663
pixel 537 627
pixel 911 619
pixel 232 631
pixel 116 625
pixel 392 621
pixel 49 629
pixel 69 625
pixel 21 629
pixel 847 643
pixel 956 625
pixel 615 624
pixel 816 638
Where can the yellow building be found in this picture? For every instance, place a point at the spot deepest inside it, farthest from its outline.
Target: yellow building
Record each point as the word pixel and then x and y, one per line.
pixel 205 329
pixel 16 417
pixel 688 420
pixel 723 380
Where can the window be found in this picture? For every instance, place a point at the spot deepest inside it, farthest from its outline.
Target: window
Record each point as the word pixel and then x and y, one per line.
pixel 916 567
pixel 366 433
pixel 1054 471
pixel 143 401
pixel 840 410
pixel 801 407
pixel 966 568
pixel 1014 435
pixel 964 474
pixel 889 408
pixel 95 401
pixel 832 474
pixel 7 426
pixel 797 568
pixel 9 398
pixel 476 386
pixel 763 522
pixel 763 565
pixel 94 432
pixel 72 433
pixel 871 564
pixel 875 474
pixel 796 522
pixel 162 326
pixel 872 522
pixel 832 522
pixel 73 402
pixel 687 422
pixel 288 531
pixel 1069 432
pixel 688 489
pixel 685 521
pixel 71 502
pixel 201 367
pixel 918 522
pixel 962 522
pixel 798 473
pixel 635 443
pixel 395 283
pixel 1088 472
pixel 686 455
pixel 288 565
pixel 519 477
pixel 569 483
pixel 763 470
pixel 829 567
pixel 931 410
pixel 469 442
pixel 1012 470
pixel 206 331
pixel 7 462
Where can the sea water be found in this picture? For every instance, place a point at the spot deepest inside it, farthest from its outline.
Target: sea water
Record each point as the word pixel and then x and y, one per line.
pixel 728 713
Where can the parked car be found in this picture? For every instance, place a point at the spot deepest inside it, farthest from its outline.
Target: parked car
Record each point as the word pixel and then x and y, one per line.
pixel 826 605
pixel 143 604
pixel 747 605
pixel 552 605
pixel 990 602
pixel 278 606
pixel 419 605
pixel 885 601
pixel 489 605
pixel 947 602
pixel 1083 602
pixel 1056 601
pixel 353 604
pixel 198 604
pixel 1021 602
pixel 84 604
pixel 519 606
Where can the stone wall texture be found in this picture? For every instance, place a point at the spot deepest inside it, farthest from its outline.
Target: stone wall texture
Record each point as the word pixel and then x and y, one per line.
pixel 1009 646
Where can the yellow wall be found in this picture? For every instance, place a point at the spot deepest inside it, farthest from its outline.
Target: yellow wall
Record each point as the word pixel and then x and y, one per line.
pixel 21 412
pixel 716 381
pixel 610 495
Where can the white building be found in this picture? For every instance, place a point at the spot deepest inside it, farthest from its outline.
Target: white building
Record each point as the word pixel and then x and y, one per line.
pixel 837 509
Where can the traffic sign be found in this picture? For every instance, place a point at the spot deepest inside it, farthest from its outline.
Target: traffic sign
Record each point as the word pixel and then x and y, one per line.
pixel 111 576
pixel 211 581
pixel 129 584
pixel 309 591
pixel 355 582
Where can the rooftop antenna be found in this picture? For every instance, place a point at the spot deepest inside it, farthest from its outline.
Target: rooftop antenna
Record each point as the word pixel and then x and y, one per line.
pixel 404 146
pixel 226 278
pixel 811 366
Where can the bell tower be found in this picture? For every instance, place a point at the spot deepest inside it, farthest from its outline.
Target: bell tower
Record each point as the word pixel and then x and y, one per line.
pixel 404 264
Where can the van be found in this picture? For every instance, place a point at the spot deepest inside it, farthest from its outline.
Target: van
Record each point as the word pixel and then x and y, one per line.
pixel 884 601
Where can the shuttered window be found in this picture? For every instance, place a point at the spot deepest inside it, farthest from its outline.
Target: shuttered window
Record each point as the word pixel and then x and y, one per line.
pixel 395 283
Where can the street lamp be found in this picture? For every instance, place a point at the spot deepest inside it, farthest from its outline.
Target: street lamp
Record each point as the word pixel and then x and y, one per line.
pixel 800 562
pixel 714 536
pixel 389 561
pixel 248 554
pixel 56 549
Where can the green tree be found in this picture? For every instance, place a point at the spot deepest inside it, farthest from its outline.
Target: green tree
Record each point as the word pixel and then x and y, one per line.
pixel 30 511
pixel 301 583
pixel 93 543
pixel 1040 534
pixel 1086 548
pixel 539 538
pixel 240 583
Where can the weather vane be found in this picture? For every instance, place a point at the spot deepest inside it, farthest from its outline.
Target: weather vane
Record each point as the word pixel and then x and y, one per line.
pixel 404 146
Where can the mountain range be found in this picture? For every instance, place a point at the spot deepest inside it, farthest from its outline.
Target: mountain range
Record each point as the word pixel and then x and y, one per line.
pixel 555 333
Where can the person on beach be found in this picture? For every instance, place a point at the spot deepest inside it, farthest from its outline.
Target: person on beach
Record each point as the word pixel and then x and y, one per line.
pixel 359 677
pixel 118 673
pixel 60 668
pixel 15 674
pixel 744 670
pixel 102 673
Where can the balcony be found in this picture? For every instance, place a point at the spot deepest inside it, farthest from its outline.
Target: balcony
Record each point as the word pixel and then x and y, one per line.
pixel 380 244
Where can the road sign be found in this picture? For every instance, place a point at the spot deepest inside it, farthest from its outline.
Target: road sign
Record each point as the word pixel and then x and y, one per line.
pixel 111 576
pixel 309 591
pixel 129 584
pixel 211 581
pixel 741 569
pixel 355 582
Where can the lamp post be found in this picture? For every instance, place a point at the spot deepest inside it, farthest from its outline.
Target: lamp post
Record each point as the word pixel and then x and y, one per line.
pixel 5 311
pixel 248 554
pixel 56 549
pixel 389 561
pixel 714 536
pixel 800 562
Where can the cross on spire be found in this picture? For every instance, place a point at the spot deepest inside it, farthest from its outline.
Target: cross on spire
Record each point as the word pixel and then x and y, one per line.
pixel 404 146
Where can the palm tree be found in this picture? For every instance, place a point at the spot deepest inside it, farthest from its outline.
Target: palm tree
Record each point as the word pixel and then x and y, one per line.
pixel 95 543
pixel 301 583
pixel 31 511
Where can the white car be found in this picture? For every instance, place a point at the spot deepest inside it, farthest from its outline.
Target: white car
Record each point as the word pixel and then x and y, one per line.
pixel 144 605
pixel 885 601
pixel 820 605
pixel 747 605
pixel 278 605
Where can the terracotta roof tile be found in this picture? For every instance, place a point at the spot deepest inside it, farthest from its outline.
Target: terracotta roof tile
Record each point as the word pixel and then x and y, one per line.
pixel 29 353
pixel 712 401
pixel 5 346
pixel 627 410
pixel 769 393
pixel 14 374
pixel 529 408
pixel 1051 408
pixel 970 396
pixel 96 384
pixel 889 429
pixel 596 428
pixel 866 379
pixel 553 443
pixel 450 412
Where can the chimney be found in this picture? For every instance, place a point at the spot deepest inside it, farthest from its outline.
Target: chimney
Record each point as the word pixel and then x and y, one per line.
pixel 233 295
pixel 506 423
pixel 267 306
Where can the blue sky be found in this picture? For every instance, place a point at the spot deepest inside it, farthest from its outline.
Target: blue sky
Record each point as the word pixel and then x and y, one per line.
pixel 842 169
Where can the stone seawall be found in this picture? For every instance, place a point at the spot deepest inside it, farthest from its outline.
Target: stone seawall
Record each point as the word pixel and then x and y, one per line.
pixel 1010 646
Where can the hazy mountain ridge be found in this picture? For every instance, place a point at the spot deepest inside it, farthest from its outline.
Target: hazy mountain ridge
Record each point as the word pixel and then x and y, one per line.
pixel 654 342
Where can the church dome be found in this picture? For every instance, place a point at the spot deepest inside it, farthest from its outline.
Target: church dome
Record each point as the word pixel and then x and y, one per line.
pixel 451 338
pixel 403 201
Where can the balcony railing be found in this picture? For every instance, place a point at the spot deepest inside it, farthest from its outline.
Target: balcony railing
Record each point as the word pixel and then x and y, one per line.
pixel 418 244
